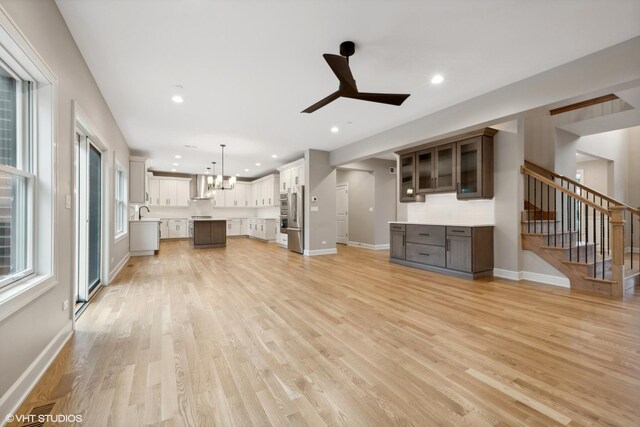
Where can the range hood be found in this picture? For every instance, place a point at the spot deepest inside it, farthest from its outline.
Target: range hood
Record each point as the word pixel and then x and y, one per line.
pixel 199 188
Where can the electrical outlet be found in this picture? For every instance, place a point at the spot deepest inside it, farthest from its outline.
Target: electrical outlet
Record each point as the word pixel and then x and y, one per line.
pixel 65 305
pixel 370 209
pixel 314 198
pixel 67 201
pixel 314 209
pixel 324 242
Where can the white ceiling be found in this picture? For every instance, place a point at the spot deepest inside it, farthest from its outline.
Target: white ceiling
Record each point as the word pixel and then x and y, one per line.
pixel 249 67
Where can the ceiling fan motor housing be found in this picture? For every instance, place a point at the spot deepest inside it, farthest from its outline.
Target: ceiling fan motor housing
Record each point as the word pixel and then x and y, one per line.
pixel 347 48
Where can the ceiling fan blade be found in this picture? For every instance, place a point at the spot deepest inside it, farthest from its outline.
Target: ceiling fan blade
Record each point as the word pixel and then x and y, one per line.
pixel 383 98
pixel 340 67
pixel 323 102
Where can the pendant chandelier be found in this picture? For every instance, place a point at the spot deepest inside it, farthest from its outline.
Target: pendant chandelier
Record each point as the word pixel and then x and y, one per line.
pixel 217 182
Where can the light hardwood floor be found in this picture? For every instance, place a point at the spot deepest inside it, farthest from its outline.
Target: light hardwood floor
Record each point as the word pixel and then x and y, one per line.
pixel 256 335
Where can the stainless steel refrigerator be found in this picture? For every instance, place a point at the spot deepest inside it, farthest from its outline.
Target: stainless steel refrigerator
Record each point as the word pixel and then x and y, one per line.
pixel 295 219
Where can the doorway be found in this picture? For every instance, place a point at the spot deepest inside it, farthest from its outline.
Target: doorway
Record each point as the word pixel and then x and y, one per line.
pixel 342 214
pixel 89 218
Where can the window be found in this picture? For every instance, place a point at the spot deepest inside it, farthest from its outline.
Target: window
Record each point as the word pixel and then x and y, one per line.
pixel 16 177
pixel 121 200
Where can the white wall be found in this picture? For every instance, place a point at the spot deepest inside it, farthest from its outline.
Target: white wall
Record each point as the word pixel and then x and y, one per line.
pixel 596 175
pixel 27 333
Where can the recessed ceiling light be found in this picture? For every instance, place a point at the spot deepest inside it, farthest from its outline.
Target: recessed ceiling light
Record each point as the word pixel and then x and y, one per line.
pixel 177 99
pixel 237 174
pixel 175 164
pixel 335 129
pixel 173 170
pixel 246 170
pixel 274 156
pixel 437 79
pixel 178 156
pixel 257 164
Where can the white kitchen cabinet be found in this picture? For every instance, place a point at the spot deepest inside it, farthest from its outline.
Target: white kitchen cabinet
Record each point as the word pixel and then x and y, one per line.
pixel 264 229
pixel 244 227
pixel 233 227
pixel 154 191
pixel 252 227
pixel 138 191
pixel 218 198
pixel 263 191
pixel 291 175
pixel 166 191
pixel 237 197
pixel 182 192
pixel 177 228
pixel 285 180
pixel 144 237
pixel 164 228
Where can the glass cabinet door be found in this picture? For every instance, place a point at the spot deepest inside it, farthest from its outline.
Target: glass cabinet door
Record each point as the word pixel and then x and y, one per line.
pixel 407 181
pixel 425 171
pixel 445 172
pixel 469 168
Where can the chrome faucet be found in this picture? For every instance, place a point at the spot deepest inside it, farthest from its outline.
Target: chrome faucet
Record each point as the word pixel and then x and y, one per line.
pixel 140 212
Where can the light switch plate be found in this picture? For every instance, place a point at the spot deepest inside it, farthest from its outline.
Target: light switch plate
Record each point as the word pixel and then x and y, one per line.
pixel 67 201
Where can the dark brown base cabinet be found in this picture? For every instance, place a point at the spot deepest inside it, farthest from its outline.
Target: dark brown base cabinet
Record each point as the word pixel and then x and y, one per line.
pixel 209 234
pixel 460 251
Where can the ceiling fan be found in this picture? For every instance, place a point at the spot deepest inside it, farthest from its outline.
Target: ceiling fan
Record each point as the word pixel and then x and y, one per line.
pixel 340 66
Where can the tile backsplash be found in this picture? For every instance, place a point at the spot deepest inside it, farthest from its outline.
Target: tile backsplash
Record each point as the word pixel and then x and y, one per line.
pixel 446 208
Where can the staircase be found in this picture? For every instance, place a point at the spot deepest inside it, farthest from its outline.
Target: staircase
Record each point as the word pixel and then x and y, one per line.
pixel 589 237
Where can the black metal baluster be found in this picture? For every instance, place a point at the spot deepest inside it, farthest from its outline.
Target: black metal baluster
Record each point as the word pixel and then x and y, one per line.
pixel 595 243
pixel 570 227
pixel 601 239
pixel 528 203
pixel 548 215
pixel 632 240
pixel 586 230
pixel 562 216
pixel 541 210
pixel 555 218
pixel 607 241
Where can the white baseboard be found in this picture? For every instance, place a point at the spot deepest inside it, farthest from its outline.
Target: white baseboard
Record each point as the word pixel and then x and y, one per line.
pixel 119 267
pixel 315 252
pixel 13 398
pixel 627 250
pixel 546 279
pixel 507 274
pixel 368 246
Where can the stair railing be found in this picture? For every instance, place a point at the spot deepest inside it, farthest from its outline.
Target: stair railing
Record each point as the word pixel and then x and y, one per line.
pixel 591 225
pixel 631 215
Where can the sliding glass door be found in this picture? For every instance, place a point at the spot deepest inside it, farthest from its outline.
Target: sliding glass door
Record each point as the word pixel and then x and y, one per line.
pixel 89 217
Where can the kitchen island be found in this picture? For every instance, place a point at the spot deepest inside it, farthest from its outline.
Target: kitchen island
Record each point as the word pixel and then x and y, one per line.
pixel 207 233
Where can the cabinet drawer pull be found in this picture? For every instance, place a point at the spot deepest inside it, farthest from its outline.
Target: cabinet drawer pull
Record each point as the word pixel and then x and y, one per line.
pixel 424 234
pixel 420 253
pixel 457 231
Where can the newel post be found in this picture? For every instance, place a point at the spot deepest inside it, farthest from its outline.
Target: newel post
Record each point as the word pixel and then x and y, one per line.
pixel 617 253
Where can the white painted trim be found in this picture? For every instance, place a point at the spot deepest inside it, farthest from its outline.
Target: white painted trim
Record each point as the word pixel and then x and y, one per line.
pixel 18 392
pixel 507 274
pixel 119 267
pixel 546 279
pixel 315 252
pixel 368 246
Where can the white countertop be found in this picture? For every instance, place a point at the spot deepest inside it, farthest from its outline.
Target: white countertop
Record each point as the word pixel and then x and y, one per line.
pixel 207 219
pixel 452 223
pixel 145 220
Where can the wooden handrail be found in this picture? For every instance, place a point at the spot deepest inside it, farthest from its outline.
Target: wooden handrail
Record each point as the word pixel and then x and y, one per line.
pixel 582 186
pixel 552 184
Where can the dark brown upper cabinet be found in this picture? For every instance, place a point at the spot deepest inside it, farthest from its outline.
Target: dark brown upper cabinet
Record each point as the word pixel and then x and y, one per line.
pixel 436 169
pixel 463 164
pixel 475 168
pixel 407 178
